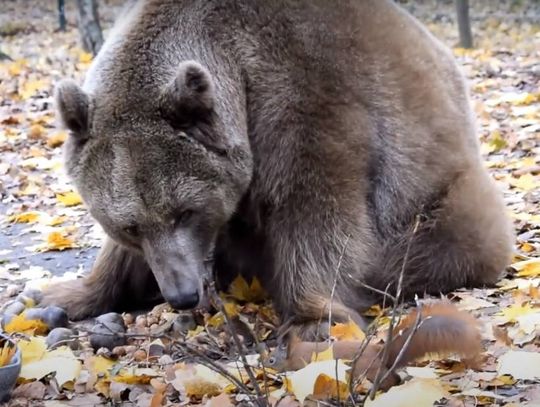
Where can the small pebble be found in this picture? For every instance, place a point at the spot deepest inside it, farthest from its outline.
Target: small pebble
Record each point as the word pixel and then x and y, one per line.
pixel 165 360
pixel 60 337
pixel 111 317
pixel 30 297
pixel 151 320
pixel 12 290
pixel 139 355
pixel 103 336
pixel 52 316
pixel 119 351
pixel 141 321
pixel 15 308
pixel 184 323
pixel 128 319
pixel 130 349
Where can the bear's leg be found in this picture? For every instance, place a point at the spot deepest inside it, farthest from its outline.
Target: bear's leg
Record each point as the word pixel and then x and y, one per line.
pixel 465 242
pixel 316 264
pixel 120 280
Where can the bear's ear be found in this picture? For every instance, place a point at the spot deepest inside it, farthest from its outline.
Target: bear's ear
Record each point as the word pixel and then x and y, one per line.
pixel 72 106
pixel 189 98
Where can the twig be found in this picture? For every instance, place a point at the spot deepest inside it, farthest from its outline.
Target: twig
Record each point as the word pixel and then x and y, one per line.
pixel 238 345
pixel 390 333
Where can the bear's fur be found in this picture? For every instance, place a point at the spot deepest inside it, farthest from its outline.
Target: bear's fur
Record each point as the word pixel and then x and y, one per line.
pixel 318 145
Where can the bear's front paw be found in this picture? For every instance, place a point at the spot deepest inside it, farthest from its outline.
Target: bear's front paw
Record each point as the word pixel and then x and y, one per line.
pixel 75 298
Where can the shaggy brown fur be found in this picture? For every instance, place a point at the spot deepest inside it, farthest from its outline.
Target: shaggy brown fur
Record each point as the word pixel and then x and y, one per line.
pixel 301 139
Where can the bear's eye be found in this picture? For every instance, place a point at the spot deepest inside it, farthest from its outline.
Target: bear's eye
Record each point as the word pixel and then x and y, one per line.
pixel 183 217
pixel 132 231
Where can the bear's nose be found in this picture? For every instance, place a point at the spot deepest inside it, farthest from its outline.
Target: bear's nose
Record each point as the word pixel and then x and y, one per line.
pixel 184 301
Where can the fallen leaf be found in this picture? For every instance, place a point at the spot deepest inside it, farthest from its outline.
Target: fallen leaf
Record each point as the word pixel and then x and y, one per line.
pixel 32 348
pixel 199 381
pixel 527 182
pixel 57 241
pixel 301 383
pixel 223 400
pixel 30 391
pixel 527 268
pixel 327 387
pixel 60 361
pixel 19 323
pixel 347 332
pixel 414 393
pixel 242 291
pixel 520 365
pixel 511 313
pixel 69 198
pixel 56 139
pixel 26 217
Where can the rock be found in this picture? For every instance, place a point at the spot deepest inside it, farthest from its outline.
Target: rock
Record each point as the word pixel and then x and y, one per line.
pixel 62 336
pixel 54 317
pixel 184 322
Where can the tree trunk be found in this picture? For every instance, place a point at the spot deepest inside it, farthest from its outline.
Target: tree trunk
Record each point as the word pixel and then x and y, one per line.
pixel 61 15
pixel 89 28
pixel 464 24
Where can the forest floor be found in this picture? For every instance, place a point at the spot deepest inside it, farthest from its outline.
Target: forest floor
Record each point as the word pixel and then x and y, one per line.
pixel 46 234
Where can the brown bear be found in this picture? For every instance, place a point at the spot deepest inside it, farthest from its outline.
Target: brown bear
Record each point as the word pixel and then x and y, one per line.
pixel 326 147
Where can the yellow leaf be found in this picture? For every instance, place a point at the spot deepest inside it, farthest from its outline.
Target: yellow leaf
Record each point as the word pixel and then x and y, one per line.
pixel 16 67
pixel 347 332
pixel 528 268
pixel 57 220
pixel 26 217
pixel 414 393
pixel 85 57
pixel 69 198
pixel 56 139
pixel 57 241
pixel 36 131
pixel 257 291
pixel 302 382
pixel 194 332
pixel 61 361
pixel 231 309
pixel 326 387
pixel 239 289
pixel 100 366
pixel 510 314
pixel 216 320
pixel 19 323
pixel 7 351
pixel 527 182
pixel 30 87
pixel 32 349
pixel 374 311
pixel 327 354
pixel 497 141
pixel 135 376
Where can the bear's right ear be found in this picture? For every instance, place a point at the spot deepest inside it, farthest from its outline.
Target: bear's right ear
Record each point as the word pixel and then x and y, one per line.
pixel 72 105
pixel 189 98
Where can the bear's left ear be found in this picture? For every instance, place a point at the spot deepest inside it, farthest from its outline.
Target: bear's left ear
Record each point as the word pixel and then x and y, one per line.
pixel 189 98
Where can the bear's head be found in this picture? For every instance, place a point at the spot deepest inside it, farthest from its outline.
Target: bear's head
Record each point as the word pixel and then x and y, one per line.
pixel 159 175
